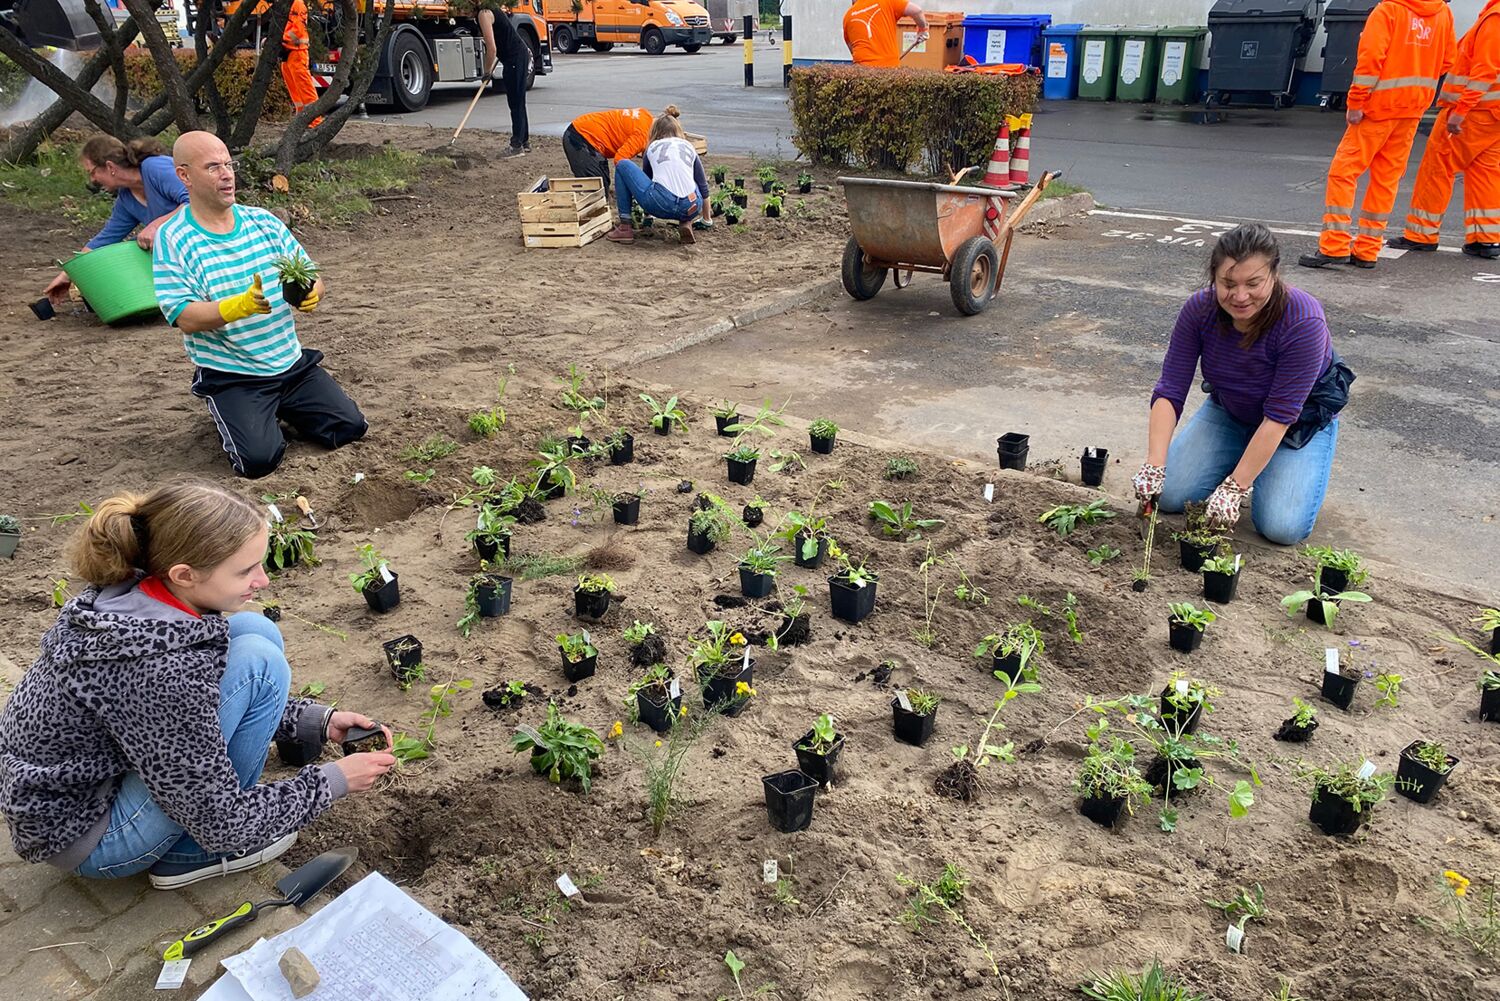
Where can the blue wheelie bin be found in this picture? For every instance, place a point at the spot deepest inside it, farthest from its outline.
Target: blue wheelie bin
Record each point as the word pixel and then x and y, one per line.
pixel 1060 62
pixel 1005 38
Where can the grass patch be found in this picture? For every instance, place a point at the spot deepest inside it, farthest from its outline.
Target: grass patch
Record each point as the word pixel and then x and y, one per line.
pixel 544 565
pixel 55 183
pixel 1061 189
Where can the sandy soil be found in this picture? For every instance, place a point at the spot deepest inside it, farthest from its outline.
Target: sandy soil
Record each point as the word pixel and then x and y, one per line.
pixel 427 306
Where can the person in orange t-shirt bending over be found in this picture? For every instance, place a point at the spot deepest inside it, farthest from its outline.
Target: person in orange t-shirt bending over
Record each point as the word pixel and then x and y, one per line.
pixel 595 140
pixel 871 34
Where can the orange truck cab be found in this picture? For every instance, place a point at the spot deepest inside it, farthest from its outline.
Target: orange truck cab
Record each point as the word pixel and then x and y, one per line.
pixel 651 24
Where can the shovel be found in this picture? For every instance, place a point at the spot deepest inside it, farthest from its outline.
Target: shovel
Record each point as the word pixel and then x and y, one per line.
pixel 296 888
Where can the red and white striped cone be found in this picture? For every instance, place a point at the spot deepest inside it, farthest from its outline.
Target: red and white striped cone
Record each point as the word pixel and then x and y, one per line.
pixel 1020 160
pixel 997 173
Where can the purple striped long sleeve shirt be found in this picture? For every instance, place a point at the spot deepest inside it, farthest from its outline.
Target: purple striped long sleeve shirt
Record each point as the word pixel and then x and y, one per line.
pixel 1270 379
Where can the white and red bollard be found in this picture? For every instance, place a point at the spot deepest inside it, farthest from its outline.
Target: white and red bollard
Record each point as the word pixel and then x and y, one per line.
pixel 1020 158
pixel 997 173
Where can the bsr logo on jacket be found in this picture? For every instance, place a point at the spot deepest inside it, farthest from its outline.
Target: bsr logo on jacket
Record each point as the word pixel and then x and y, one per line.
pixel 1421 31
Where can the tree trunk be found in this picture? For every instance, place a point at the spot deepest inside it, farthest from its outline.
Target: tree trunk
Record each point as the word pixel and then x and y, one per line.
pixel 155 117
pixel 170 74
pixel 111 46
pixel 255 99
pixel 76 97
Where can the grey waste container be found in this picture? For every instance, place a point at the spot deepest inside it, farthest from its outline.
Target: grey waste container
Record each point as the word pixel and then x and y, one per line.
pixel 1343 20
pixel 1255 48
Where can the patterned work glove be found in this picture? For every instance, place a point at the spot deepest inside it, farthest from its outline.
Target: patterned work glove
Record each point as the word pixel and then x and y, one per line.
pixel 1148 482
pixel 1223 508
pixel 247 303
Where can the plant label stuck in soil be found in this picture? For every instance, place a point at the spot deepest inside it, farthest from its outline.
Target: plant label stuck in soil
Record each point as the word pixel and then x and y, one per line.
pixel 566 885
pixel 385 573
pixel 1235 939
pixel 675 691
pixel 275 513
pixel 903 702
pixel 1331 661
pixel 1367 769
pixel 173 974
pixel 769 871
pixel 989 492
pixel 1182 687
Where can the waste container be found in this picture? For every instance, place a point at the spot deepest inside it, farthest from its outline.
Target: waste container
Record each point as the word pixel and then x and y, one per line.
pixel 1005 38
pixel 1255 48
pixel 944 45
pixel 1344 20
pixel 1138 59
pixel 1177 79
pixel 1098 63
pixel 1060 62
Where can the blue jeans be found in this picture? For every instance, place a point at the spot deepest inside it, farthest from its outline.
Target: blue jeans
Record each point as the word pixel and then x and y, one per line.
pixel 252 700
pixel 631 182
pixel 1289 491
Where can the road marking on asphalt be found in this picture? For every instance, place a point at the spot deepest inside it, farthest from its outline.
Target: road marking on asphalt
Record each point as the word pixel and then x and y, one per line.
pixel 1216 228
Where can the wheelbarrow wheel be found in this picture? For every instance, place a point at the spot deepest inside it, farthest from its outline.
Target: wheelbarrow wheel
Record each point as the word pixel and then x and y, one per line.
pixel 860 280
pixel 972 276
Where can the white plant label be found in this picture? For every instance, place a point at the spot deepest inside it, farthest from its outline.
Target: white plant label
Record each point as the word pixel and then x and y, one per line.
pixel 1237 563
pixel 903 701
pixel 676 690
pixel 1182 687
pixel 173 974
pixel 770 872
pixel 989 492
pixel 1235 939
pixel 275 513
pixel 479 521
pixel 859 583
pixel 587 638
pixel 567 886
pixel 1367 769
pixel 1331 660
pixel 358 478
pixel 385 573
pixel 745 665
pixel 1057 61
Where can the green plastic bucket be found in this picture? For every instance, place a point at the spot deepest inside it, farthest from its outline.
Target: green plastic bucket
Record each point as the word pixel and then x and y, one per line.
pixel 115 281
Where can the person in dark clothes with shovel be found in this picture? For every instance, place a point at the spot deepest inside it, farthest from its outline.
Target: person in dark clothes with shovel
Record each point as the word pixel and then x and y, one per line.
pixel 506 51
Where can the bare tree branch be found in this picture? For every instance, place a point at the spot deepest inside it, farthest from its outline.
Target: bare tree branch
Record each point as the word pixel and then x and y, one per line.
pixel 260 82
pixel 111 46
pixel 77 97
pixel 167 70
pixel 299 144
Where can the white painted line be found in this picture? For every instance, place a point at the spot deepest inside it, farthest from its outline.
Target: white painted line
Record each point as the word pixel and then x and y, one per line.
pixel 1230 225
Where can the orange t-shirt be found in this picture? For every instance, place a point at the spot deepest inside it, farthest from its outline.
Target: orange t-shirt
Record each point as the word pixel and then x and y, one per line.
pixel 618 135
pixel 870 32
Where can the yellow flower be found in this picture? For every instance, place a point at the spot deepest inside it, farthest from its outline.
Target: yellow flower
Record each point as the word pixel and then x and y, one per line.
pixel 752 691
pixel 738 639
pixel 741 688
pixel 616 730
pixel 1459 883
pixel 658 743
pixel 682 712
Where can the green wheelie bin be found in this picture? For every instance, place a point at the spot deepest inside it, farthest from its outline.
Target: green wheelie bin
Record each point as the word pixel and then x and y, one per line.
pixel 1098 62
pixel 1177 79
pixel 1139 52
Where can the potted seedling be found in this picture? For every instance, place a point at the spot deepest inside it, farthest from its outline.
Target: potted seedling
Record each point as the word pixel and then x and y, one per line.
pixel 404 656
pixel 1198 542
pixel 717 201
pixel 664 415
pixel 1338 685
pixel 778 189
pixel 490 536
pixel 1012 651
pixel 818 750
pixel 376 581
pixel 1489 696
pixel 646 647
pixel 754 513
pixel 709 525
pixel 740 199
pixel 726 415
pixel 1337 569
pixel 743 456
pixel 720 174
pixel 742 463
pixel 808 536
pixel 621 447
pixel 627 508
pixel 560 750
pixel 1183 703
pixel 804 182
pixel 1221 578
pixel 823 433
pixel 1489 619
pixel 1321 608
pixel 1344 795
pixel 1186 624
pixel 721 662
pixel 914 713
pixel 1012 448
pixel 487 596
pixel 796 621
pixel 1092 465
pixel 591 596
pixel 657 697
pixel 1298 728
pixel 734 213
pixel 298 276
pixel 789 800
pixel 758 568
pixel 772 207
pixel 767 177
pixel 10 535
pixel 553 470
pixel 1424 767
pixel 1108 781
pixel 851 589
pixel 739 182
pixel 579 656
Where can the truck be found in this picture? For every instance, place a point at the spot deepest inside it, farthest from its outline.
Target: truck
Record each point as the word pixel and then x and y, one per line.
pixel 727 17
pixel 603 24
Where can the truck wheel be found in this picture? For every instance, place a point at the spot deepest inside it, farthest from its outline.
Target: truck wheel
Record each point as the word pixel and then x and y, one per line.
pixel 690 49
pixel 731 39
pixel 411 72
pixel 653 42
pixel 972 276
pixel 601 46
pixel 860 280
pixel 533 59
pixel 564 39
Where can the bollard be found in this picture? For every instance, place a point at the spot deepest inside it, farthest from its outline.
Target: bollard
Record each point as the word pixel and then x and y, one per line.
pixel 786 50
pixel 749 50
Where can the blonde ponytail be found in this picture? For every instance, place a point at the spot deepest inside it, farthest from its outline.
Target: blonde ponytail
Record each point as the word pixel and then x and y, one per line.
pixel 671 112
pixel 105 550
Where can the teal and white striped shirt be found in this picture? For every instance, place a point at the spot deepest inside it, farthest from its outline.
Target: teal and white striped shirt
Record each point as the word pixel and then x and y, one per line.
pixel 190 264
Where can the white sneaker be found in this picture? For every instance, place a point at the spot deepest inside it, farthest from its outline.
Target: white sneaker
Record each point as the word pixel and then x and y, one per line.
pixel 175 875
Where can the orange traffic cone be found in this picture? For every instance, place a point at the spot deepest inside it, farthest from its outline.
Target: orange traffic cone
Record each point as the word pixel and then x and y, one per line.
pixel 997 174
pixel 1020 161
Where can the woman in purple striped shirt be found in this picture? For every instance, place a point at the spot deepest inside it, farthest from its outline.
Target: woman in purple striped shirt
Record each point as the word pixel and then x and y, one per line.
pixel 1271 369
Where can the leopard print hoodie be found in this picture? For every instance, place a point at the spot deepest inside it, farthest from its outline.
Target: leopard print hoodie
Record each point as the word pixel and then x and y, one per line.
pixel 128 684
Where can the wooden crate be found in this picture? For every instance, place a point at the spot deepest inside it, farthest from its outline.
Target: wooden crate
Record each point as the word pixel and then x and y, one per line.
pixel 563 212
pixel 700 143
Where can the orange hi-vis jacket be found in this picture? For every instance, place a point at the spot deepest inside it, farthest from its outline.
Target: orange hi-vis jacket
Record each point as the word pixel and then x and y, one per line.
pixel 1407 45
pixel 294 36
pixel 1472 85
pixel 619 135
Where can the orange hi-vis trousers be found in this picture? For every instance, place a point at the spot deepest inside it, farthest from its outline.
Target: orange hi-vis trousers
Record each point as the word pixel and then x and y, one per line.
pixel 1382 148
pixel 297 75
pixel 1475 153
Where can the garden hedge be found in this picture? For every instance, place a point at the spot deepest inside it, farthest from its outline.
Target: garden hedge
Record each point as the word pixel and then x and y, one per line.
pixel 232 76
pixel 852 116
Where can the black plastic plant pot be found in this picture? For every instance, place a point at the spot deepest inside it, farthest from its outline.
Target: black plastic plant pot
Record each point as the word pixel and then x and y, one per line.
pixel 42 309
pixel 817 558
pixel 493 596
pixel 294 293
pixel 385 596
pixel 663 428
pixel 773 212
pixel 1170 716
pixel 823 446
pixel 591 605
pixel 1093 462
pixel 718 210
pixel 1193 554
pixel 627 509
pixel 739 182
pixel 297 753
pixel 752 516
pixel 578 444
pixel 271 612
pixel 789 800
pixel 1102 810
pixel 577 670
pixel 659 716
pixel 741 472
pixel 1012 448
pixel 404 655
pixel 700 544
pixel 1333 814
pixel 765 187
pixel 489 548
pixel 1489 704
pixel 804 188
pixel 743 201
pixel 1290 732
pixel 1495 643
pixel 554 491
pixel 1315 610
pixel 1008 665
pixel 911 727
pixel 756 585
pixel 1183 637
pixel 1220 587
pixel 1416 781
pixel 819 766
pixel 720 423
pixel 623 451
pixel 1338 689
pixel 851 603
pixel 720 692
pixel 1332 580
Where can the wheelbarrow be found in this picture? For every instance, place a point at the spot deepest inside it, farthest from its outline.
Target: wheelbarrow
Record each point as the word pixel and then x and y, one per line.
pixel 960 232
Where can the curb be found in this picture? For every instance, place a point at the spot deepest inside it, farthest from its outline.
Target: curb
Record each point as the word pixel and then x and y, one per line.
pixel 797 297
pixel 1054 209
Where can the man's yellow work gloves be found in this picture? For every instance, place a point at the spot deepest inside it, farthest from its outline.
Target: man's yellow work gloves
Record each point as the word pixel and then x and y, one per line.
pixel 247 303
pixel 310 301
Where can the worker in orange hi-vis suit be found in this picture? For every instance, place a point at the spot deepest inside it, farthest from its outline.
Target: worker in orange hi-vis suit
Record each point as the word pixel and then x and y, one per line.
pixel 1405 47
pixel 295 71
pixel 870 30
pixel 1466 140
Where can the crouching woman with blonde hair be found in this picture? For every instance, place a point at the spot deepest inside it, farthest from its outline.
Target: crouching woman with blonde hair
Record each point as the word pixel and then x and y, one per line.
pixel 136 740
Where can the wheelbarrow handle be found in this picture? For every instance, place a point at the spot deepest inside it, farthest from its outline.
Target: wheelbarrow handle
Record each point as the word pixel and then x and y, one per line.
pixel 1024 206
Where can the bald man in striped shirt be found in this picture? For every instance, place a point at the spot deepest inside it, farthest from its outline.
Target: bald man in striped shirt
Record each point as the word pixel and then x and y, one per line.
pixel 216 281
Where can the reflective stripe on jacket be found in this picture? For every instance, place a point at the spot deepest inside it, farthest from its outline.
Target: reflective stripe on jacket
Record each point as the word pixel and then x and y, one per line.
pixel 1473 84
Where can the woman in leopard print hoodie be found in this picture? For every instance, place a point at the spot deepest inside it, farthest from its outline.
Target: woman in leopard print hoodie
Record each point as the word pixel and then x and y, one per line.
pixel 137 738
